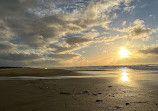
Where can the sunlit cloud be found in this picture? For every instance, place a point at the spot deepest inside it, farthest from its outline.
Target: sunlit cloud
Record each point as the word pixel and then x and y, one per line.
pixel 137 30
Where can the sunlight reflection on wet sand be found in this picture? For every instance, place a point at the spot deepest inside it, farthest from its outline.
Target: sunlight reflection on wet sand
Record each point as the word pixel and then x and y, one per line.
pixel 124 74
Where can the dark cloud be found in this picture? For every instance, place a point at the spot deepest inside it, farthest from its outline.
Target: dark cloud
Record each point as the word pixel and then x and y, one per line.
pixel 19 56
pixel 72 43
pixel 5 46
pixel 34 32
pixel 29 28
pixel 63 56
pixel 140 32
pixel 17 59
pixel 9 7
pixel 153 50
pixel 77 40
pixel 58 48
pixel 11 63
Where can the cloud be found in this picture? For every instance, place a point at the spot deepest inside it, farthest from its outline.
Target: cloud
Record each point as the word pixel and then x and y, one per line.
pixel 124 23
pixel 63 56
pixel 5 31
pixel 6 46
pixel 150 50
pixel 72 46
pixel 18 56
pixel 137 31
pixel 77 40
pixel 36 32
pixel 129 8
pixel 75 43
pixel 140 32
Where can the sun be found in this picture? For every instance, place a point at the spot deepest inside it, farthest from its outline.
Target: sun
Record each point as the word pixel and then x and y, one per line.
pixel 124 52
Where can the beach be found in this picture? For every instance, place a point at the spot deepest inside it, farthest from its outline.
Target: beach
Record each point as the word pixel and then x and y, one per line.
pixel 119 89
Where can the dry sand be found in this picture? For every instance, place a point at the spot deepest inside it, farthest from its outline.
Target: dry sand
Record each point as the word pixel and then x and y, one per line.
pixel 74 94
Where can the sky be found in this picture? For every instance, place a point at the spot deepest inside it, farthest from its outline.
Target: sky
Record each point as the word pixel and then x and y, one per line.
pixel 53 33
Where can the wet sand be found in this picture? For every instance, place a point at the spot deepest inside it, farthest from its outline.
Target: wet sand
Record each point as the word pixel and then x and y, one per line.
pixel 113 90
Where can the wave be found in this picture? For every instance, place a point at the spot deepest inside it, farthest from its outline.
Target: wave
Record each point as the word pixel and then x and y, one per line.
pixel 104 68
